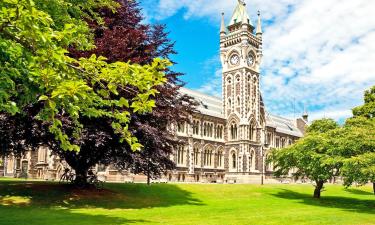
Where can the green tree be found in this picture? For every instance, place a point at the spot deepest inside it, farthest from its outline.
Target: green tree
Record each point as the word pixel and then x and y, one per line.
pixel 368 109
pixel 357 144
pixel 35 68
pixel 310 157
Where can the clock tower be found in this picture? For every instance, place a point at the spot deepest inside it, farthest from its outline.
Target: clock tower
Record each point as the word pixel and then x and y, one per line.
pixel 241 55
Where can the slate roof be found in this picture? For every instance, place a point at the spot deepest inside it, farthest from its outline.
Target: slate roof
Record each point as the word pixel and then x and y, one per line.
pixel 209 105
pixel 212 106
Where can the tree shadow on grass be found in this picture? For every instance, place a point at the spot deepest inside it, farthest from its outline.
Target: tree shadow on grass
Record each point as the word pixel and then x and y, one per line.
pixel 18 215
pixel 358 192
pixel 114 196
pixel 345 203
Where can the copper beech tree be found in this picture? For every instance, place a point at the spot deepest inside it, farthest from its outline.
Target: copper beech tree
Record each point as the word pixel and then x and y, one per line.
pixel 123 37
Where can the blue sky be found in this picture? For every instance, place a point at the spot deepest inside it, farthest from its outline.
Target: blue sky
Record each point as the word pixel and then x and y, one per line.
pixel 318 53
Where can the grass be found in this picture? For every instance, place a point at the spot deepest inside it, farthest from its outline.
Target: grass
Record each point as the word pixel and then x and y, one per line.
pixel 32 202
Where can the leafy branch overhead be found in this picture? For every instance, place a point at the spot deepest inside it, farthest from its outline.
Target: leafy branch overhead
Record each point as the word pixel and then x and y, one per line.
pixel 35 66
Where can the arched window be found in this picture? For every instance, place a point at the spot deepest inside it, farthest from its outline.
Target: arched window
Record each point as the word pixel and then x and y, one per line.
pixel 238 101
pixel 233 131
pixel 208 157
pixel 229 103
pixel 181 127
pixel 196 156
pixel 220 158
pixel 196 127
pixel 180 155
pixel 219 132
pixel 234 160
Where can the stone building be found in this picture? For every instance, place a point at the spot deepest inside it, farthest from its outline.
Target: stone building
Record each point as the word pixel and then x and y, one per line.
pixel 229 139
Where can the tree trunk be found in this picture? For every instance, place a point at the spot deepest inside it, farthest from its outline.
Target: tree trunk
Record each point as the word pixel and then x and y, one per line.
pixel 80 168
pixel 81 177
pixel 318 188
pixel 373 187
pixel 148 175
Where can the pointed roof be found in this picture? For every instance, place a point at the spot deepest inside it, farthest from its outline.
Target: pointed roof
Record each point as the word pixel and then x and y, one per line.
pixel 240 14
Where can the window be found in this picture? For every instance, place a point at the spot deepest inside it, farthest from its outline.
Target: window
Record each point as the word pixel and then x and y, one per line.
pixel 219 132
pixel 196 156
pixel 196 127
pixel 207 157
pixel 180 155
pixel 268 141
pixel 283 142
pixel 220 158
pixel 181 127
pixel 234 162
pixel 18 163
pixel 233 131
pixel 277 142
pixel 238 101
pixel 42 154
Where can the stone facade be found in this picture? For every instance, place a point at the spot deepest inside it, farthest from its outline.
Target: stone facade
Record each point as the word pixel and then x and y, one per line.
pixel 227 141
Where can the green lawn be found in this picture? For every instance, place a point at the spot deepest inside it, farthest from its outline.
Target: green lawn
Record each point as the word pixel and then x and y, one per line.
pixel 49 203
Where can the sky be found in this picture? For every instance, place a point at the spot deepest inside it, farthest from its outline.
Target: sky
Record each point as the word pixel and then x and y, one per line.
pixel 318 54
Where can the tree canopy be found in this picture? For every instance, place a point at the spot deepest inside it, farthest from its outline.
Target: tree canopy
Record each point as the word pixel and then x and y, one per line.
pixel 120 37
pixel 310 157
pixel 36 68
pixel 358 144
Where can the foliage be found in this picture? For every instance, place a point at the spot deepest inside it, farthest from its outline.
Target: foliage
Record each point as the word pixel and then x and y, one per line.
pixel 358 144
pixel 360 169
pixel 35 68
pixel 123 37
pixel 312 157
pixel 368 109
pixel 322 126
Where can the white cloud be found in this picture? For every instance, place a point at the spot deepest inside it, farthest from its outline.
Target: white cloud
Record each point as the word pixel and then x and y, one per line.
pixel 316 52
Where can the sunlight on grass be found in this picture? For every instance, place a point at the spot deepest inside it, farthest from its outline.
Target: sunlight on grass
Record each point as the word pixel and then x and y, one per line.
pixel 14 200
pixel 45 203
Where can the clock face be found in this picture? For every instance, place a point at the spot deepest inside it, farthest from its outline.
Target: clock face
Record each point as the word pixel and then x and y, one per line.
pixel 250 60
pixel 234 59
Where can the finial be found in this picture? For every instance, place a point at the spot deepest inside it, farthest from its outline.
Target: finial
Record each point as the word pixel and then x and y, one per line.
pixel 259 26
pixel 305 115
pixel 222 27
pixel 242 2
